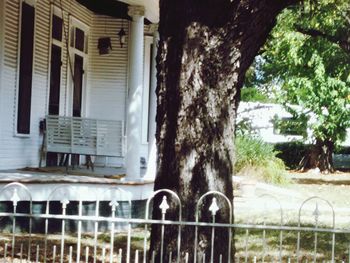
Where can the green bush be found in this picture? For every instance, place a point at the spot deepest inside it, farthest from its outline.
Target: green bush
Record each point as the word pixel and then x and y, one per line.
pixel 291 153
pixel 258 159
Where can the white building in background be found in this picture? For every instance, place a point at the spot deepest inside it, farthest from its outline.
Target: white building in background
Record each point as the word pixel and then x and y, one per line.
pixel 261 119
pixel 66 58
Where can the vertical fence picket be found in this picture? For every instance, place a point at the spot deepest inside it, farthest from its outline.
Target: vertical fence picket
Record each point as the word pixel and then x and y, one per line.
pixel 333 247
pixel 246 246
pixel 103 253
pixel 136 256
pixel 79 230
pixel 47 211
pixel 86 254
pixel 113 204
pixel 96 230
pixel 264 242
pixel 120 255
pixel 30 226
pixel 316 213
pixel 37 254
pixel 280 246
pixel 70 259
pixel 163 206
pixel 5 252
pixel 54 254
pixel 170 257
pixel 15 199
pixel 213 209
pixel 64 203
pixel 128 245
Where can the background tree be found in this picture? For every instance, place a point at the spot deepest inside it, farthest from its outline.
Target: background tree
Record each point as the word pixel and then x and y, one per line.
pixel 205 48
pixel 308 56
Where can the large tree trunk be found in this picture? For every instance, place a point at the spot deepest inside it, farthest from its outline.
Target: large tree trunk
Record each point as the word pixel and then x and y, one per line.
pixel 319 156
pixel 204 51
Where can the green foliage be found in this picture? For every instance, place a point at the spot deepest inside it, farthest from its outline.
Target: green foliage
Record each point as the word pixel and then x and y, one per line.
pixel 291 153
pixel 313 72
pixel 253 94
pixel 257 158
pixel 290 126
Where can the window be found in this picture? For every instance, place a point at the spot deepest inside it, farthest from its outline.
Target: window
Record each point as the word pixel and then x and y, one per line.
pixel 25 69
pixel 57 25
pixel 78 37
pixel 79 33
pixel 55 64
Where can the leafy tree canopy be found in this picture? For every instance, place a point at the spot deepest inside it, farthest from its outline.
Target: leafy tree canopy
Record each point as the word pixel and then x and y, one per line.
pixel 306 55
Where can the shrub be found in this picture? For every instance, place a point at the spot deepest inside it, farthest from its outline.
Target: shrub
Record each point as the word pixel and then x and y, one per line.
pixel 258 159
pixel 291 153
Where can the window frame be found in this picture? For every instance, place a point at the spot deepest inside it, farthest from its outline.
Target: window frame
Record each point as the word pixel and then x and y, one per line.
pixel 55 10
pixel 76 23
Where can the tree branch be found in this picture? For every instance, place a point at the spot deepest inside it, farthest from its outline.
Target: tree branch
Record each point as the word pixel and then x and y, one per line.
pixel 342 43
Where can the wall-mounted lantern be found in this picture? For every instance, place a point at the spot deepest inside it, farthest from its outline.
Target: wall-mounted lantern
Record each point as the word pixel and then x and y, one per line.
pixel 122 35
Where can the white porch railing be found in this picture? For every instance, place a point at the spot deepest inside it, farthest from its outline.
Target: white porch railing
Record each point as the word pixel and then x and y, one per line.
pixel 75 135
pixel 278 242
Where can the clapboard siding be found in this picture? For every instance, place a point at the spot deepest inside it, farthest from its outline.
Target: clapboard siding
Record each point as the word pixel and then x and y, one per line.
pixel 108 73
pixel 2 26
pixel 17 151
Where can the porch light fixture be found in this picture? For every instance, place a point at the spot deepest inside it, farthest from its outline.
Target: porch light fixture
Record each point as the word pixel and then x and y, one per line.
pixel 122 35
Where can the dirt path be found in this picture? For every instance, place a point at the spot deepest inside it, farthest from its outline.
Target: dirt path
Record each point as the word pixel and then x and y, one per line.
pixel 263 204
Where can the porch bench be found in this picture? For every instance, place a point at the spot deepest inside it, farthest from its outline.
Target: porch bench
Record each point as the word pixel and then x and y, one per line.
pixel 85 136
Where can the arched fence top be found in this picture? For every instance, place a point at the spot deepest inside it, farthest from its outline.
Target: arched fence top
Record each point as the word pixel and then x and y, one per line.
pixel 214 207
pixel 316 212
pixel 15 196
pixel 164 205
pixel 274 198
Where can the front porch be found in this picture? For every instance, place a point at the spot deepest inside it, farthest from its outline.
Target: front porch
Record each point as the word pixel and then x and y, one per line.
pixel 83 184
pixel 89 64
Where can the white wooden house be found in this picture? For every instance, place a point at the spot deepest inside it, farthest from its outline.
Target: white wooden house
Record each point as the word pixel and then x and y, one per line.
pixel 50 64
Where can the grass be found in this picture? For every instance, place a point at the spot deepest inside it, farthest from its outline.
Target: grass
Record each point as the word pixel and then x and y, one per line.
pixel 256 247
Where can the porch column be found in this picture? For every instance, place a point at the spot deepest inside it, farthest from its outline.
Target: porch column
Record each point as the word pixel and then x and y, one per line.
pixel 152 147
pixel 134 111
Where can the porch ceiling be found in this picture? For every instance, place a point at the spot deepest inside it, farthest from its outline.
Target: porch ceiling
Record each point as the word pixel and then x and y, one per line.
pixel 119 8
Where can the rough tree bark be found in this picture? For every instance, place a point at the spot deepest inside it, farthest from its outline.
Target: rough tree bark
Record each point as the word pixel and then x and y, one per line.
pixel 205 48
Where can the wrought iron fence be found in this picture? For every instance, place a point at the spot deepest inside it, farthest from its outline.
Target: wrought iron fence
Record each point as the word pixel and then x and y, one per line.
pixel 126 239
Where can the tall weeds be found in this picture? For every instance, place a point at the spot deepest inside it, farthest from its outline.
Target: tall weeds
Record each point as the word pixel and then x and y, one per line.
pixel 257 159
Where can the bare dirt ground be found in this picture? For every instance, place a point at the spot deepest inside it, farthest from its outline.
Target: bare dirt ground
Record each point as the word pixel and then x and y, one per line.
pixel 333 191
